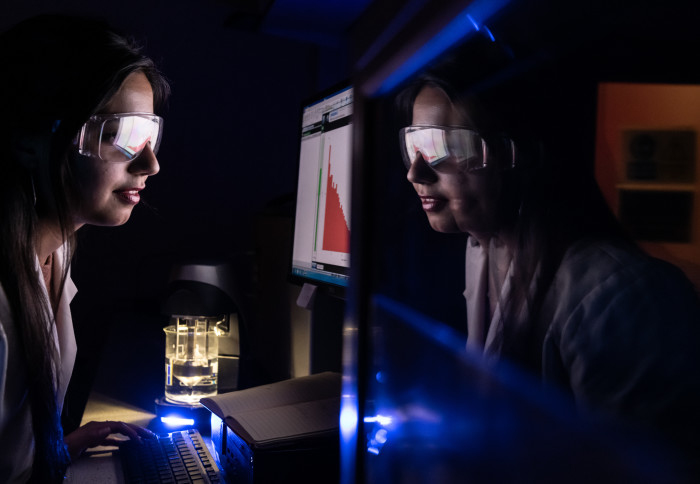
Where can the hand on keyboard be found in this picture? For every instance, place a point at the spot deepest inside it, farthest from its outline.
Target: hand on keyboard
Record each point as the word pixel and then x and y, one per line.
pixel 98 433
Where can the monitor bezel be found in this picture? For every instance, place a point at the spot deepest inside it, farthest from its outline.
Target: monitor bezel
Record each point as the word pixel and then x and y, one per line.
pixel 329 287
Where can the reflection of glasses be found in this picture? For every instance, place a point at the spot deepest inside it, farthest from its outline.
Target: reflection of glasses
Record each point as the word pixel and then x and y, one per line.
pixel 120 137
pixel 439 143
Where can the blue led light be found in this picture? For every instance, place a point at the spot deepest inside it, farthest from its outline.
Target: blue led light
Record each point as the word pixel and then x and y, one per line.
pixel 465 23
pixel 377 439
pixel 380 419
pixel 348 419
pixel 172 421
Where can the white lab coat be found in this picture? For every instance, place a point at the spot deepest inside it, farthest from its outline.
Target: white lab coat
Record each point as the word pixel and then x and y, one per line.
pixel 16 435
pixel 618 330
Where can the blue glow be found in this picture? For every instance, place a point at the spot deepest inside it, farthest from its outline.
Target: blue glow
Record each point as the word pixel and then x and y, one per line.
pixel 177 421
pixel 465 23
pixel 380 419
pixel 519 383
pixel 489 33
pixel 379 377
pixel 377 441
pixel 348 419
pixel 438 332
pixel 215 421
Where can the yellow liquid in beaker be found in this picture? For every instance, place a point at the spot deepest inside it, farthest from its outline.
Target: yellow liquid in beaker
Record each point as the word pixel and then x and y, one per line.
pixel 191 364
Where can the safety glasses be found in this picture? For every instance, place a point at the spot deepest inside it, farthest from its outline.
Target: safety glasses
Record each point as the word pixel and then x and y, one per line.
pixel 439 143
pixel 120 137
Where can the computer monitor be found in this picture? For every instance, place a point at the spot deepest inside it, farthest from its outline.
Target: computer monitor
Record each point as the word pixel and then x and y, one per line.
pixel 321 244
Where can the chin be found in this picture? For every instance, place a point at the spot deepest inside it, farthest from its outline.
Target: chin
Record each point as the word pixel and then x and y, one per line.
pixel 476 223
pixel 121 221
pixel 109 220
pixel 443 226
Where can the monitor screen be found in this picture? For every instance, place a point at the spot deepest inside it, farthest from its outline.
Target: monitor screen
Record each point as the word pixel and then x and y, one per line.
pixel 321 250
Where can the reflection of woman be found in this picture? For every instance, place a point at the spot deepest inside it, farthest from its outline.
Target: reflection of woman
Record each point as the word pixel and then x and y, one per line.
pixel 551 282
pixel 79 140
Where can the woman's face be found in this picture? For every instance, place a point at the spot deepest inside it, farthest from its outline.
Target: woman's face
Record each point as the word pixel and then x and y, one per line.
pixel 108 191
pixel 454 199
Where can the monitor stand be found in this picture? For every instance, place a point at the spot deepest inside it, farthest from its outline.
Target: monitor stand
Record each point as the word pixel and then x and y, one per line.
pixel 327 313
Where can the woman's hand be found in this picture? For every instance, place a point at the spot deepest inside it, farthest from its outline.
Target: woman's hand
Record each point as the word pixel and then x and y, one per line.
pixel 98 433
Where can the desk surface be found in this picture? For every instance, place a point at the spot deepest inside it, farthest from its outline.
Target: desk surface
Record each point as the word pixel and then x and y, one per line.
pixel 102 464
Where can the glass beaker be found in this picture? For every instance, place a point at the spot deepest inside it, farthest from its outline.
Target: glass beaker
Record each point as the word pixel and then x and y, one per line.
pixel 191 359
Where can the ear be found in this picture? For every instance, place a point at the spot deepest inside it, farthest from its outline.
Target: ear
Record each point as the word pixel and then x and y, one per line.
pixel 31 150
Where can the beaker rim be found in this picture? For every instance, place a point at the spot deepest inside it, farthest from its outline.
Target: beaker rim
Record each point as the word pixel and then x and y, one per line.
pixel 173 329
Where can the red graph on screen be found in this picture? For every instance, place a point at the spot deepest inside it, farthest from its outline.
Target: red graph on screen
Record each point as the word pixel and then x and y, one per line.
pixel 336 234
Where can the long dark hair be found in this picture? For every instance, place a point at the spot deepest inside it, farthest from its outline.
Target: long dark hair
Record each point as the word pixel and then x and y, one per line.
pixel 549 201
pixel 57 72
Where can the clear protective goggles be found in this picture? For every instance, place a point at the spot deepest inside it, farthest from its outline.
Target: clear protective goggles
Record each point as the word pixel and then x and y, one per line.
pixel 120 137
pixel 439 143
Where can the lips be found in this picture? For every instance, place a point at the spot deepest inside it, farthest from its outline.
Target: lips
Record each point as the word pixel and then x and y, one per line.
pixel 130 195
pixel 432 204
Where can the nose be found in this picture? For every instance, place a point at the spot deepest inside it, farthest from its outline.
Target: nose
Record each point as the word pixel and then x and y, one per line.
pixel 420 171
pixel 145 163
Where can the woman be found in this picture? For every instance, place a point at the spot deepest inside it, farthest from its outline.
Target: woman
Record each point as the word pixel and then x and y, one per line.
pixel 551 281
pixel 80 137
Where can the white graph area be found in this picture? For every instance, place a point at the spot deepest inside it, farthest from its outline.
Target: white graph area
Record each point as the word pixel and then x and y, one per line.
pixel 307 193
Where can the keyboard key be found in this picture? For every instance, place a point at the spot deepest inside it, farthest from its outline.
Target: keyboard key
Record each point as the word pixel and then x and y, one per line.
pixel 174 458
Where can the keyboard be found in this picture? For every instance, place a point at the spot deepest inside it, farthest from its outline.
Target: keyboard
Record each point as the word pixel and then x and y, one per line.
pixel 179 457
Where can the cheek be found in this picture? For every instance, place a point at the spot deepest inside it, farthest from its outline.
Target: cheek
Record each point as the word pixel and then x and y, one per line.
pixel 459 189
pixel 84 169
pixel 475 195
pixel 92 177
pixel 454 185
